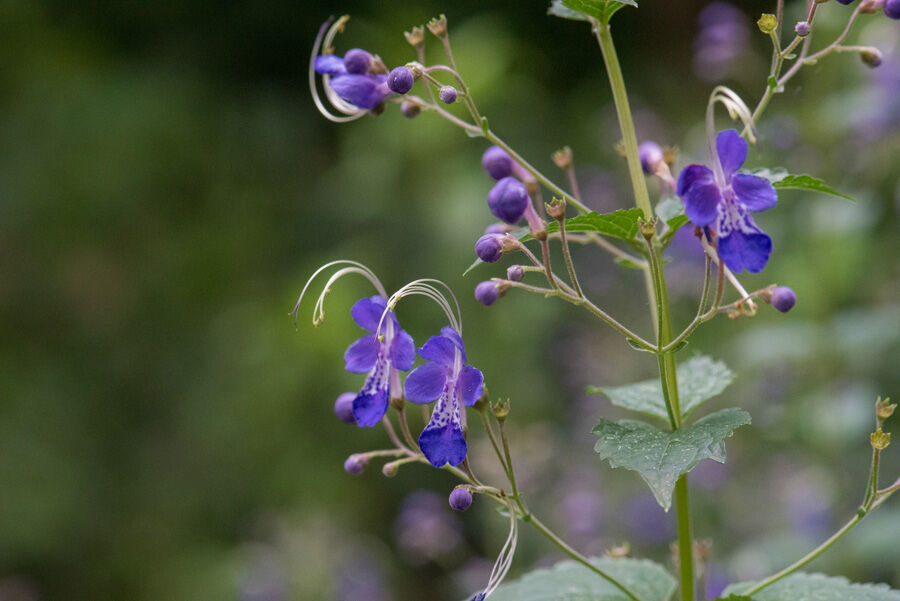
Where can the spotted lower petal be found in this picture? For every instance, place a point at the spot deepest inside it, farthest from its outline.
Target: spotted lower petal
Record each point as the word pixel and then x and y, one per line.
pixel 470 385
pixel 442 440
pixel 755 193
pixel 361 355
pixel 371 403
pixel 425 383
pixel 732 150
pixel 741 244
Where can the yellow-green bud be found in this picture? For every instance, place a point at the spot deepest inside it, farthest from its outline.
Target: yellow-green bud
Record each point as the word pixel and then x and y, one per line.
pixel 880 440
pixel 501 410
pixel 767 23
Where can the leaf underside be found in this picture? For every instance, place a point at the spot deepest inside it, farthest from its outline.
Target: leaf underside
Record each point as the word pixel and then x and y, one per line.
pixel 814 587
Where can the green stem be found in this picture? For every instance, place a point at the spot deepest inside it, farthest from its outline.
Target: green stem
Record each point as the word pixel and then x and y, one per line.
pixel 685 539
pixel 623 110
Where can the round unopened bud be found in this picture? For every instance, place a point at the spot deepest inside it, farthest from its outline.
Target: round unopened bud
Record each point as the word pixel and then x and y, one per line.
pixel 802 28
pixel 892 9
pixel 872 57
pixel 409 109
pixel 448 94
pixel 489 248
pixel 783 298
pixel 651 156
pixel 357 61
pixel 508 199
pixel 460 499
pixel 497 163
pixel 356 464
pixel 390 469
pixel 343 407
pixel 767 23
pixel 515 273
pixel 401 80
pixel 486 293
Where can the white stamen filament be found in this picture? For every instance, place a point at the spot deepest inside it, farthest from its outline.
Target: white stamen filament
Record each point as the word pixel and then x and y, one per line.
pixel 737 109
pixel 424 288
pixel 319 309
pixel 504 560
pixel 351 113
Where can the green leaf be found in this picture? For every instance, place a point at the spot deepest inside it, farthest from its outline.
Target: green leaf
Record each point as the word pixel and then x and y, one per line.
pixel 817 587
pixel 571 581
pixel 660 457
pixel 585 10
pixel 671 211
pixel 700 378
pixel 618 224
pixel 627 263
pixel 782 180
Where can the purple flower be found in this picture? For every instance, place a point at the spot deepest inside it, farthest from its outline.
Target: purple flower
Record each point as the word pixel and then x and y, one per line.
pixel 395 350
pixel 363 90
pixel 724 203
pixel 651 156
pixel 447 379
pixel 357 61
pixel 722 40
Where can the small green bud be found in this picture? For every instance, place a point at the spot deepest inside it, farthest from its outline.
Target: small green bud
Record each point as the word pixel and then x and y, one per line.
pixel 501 410
pixel 884 409
pixel 767 23
pixel 872 57
pixel 483 402
pixel 880 440
pixel 648 228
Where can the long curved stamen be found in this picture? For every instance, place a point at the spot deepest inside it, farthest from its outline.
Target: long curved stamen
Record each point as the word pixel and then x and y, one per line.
pixel 354 267
pixel 424 288
pixel 504 560
pixel 737 109
pixel 324 40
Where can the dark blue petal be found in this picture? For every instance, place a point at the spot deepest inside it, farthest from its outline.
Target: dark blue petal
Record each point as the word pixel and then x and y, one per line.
pixel 370 407
pixel 745 246
pixel 732 150
pixel 701 201
pixel 470 385
pixel 439 349
pixel 442 440
pixel 367 312
pixel 403 350
pixel 425 383
pixel 694 174
pixel 330 64
pixel 755 193
pixel 456 338
pixel 360 356
pixel 363 91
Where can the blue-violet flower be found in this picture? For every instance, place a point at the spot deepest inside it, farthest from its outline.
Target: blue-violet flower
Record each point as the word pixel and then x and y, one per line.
pixel 447 379
pixel 380 356
pixel 363 90
pixel 724 202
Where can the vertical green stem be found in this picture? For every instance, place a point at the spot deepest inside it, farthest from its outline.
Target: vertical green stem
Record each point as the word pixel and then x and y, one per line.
pixel 623 110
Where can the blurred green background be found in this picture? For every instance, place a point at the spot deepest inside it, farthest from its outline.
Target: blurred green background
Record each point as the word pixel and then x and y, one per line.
pixel 167 186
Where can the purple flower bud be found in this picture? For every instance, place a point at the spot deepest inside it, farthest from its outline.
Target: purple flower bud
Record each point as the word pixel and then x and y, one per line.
pixel 508 199
pixel 460 499
pixel 651 156
pixel 515 273
pixel 846 1
pixel 892 8
pixel 357 61
pixel 783 298
pixel 343 407
pixel 872 57
pixel 802 29
pixel 400 80
pixel 497 163
pixel 355 464
pixel 448 94
pixel 409 109
pixel 486 293
pixel 489 248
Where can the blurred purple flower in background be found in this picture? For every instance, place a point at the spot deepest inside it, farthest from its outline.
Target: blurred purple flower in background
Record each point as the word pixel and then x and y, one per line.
pixel 723 38
pixel 646 520
pixel 426 528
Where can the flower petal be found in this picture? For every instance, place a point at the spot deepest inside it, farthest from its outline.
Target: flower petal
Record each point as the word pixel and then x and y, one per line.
pixel 456 338
pixel 425 383
pixel 403 350
pixel 742 245
pixel 371 403
pixel 442 440
pixel 470 385
pixel 755 193
pixel 363 91
pixel 361 355
pixel 439 349
pixel 732 150
pixel 367 312
pixel 694 174
pixel 329 64
pixel 700 203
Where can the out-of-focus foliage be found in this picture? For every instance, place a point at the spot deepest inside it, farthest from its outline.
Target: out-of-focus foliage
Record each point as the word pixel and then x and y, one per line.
pixel 167 186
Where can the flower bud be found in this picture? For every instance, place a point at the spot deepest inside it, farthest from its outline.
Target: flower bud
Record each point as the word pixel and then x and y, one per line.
pixel 880 440
pixel 767 23
pixel 498 228
pixel 508 199
pixel 416 37
pixel 489 248
pixel 343 407
pixel 892 9
pixel 501 410
pixel 783 298
pixel 845 2
pixel 357 61
pixel 651 156
pixel 563 158
pixel 401 80
pixel 460 499
pixel 356 464
pixel 497 163
pixel 448 94
pixel 389 470
pixel 884 408
pixel 802 28
pixel 556 208
pixel 409 109
pixel 486 293
pixel 872 57
pixel 438 26
pixel 515 273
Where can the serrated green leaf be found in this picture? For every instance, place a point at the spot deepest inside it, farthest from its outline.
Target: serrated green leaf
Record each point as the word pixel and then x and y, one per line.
pixel 700 378
pixel 782 180
pixel 584 10
pixel 817 587
pixel 622 223
pixel 659 456
pixel 571 581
